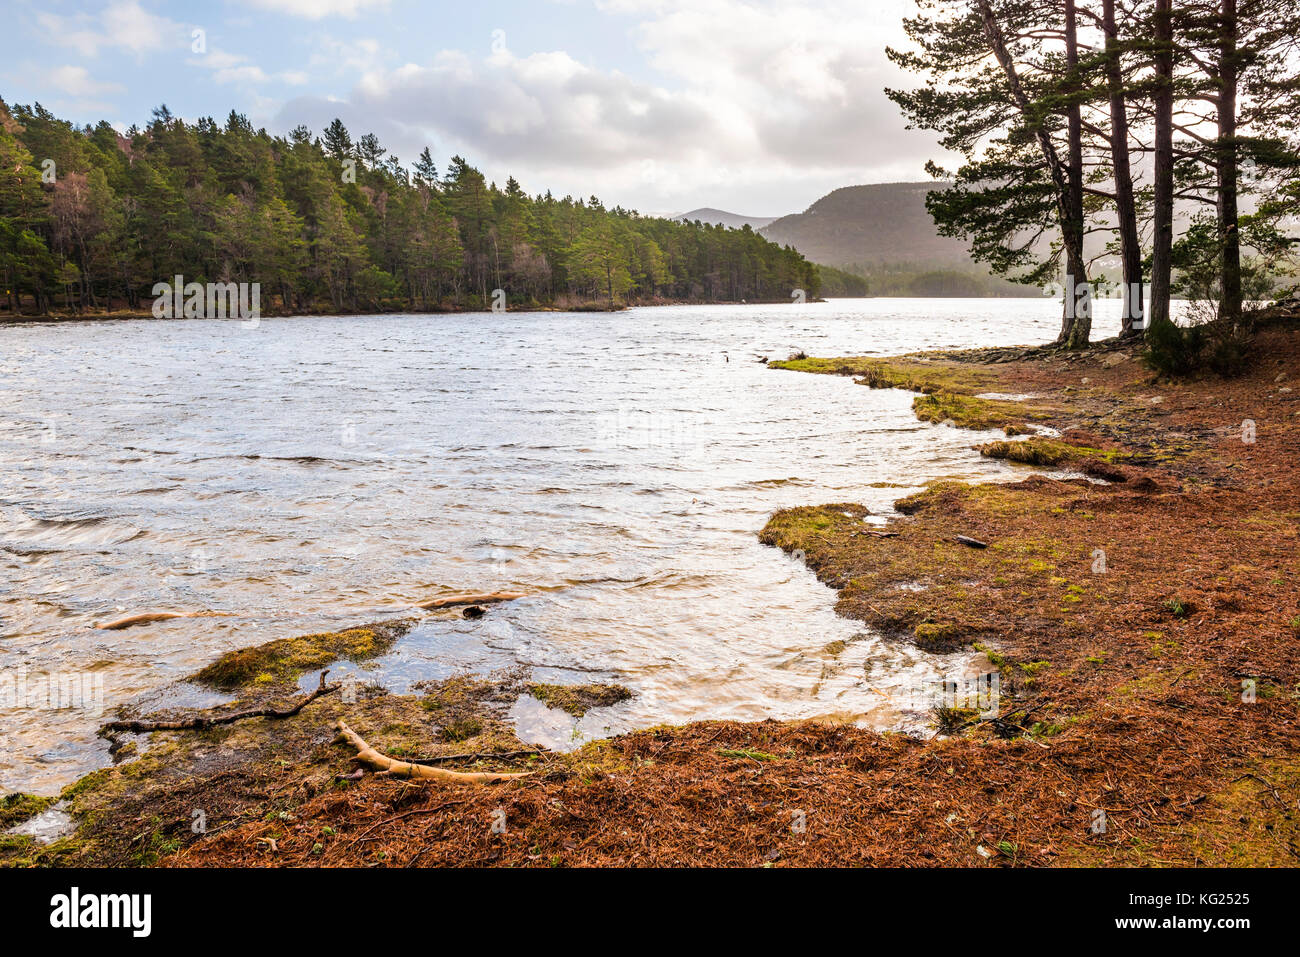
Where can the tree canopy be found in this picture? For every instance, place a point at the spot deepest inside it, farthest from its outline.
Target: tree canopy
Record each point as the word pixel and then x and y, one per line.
pixel 1083 125
pixel 91 219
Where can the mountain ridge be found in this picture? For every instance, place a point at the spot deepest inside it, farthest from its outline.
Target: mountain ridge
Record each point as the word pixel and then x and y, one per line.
pixel 721 217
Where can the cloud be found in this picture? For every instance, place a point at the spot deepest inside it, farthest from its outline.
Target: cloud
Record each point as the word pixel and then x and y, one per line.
pixel 746 95
pixel 122 24
pixel 319 9
pixel 77 81
pixel 234 68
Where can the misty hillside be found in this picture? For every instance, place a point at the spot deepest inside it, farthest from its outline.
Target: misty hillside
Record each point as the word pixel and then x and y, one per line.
pixel 860 227
pixel 716 217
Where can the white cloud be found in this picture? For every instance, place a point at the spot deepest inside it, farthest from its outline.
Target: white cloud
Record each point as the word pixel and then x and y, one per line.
pixel 356 56
pixel 77 81
pixel 122 24
pixel 756 98
pixel 319 9
pixel 234 68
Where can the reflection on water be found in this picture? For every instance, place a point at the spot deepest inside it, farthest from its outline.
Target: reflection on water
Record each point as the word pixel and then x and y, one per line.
pixel 318 472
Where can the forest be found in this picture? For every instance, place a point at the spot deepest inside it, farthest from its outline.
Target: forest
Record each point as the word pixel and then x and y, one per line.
pixel 1151 138
pixel 91 219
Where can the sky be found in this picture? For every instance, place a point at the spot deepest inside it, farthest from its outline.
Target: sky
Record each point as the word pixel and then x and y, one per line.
pixel 754 106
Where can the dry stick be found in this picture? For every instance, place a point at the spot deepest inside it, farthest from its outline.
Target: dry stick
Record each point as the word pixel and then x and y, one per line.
pixel 405 769
pixel 200 722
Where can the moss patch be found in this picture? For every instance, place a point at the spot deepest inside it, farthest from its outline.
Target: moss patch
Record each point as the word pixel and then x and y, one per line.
pixel 577 700
pixel 284 660
pixel 18 808
pixel 968 412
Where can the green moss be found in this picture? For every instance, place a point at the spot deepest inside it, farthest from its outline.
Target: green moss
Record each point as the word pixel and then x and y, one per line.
pixel 795 529
pixel 968 412
pixel 749 753
pixel 996 659
pixel 17 808
pixel 950 720
pixel 460 729
pixel 1245 824
pixel 931 634
pixel 577 700
pixel 284 660
pixel 91 782
pixel 1048 453
pixel 1035 451
pixel 23 851
pixel 1049 729
pixel 911 375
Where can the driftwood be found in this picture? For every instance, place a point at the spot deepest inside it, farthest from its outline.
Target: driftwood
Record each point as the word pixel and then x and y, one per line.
pixel 404 769
pixel 150 617
pixel 202 722
pixel 970 542
pixel 449 601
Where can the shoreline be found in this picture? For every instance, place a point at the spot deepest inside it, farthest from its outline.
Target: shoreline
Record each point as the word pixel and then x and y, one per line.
pixel 1123 735
pixel 590 307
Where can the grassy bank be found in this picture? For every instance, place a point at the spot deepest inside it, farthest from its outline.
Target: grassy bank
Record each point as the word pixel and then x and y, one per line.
pixel 1146 628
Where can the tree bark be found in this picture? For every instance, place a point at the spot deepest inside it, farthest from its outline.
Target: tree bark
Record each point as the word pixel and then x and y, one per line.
pixel 1229 237
pixel 1126 208
pixel 1075 334
pixel 1068 183
pixel 1163 176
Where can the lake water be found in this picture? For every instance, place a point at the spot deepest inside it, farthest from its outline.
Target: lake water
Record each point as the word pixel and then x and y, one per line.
pixel 314 473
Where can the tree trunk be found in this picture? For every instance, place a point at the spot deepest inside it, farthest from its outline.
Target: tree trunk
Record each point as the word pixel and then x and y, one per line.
pixel 1067 184
pixel 1229 237
pixel 1130 245
pixel 1075 331
pixel 1163 176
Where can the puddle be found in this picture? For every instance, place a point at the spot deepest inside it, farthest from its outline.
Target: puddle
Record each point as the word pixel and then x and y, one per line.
pixel 48 826
pixel 559 730
pixel 1007 396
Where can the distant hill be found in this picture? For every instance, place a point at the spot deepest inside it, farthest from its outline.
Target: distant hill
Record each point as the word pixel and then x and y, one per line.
pixel 860 227
pixel 884 233
pixel 881 233
pixel 716 217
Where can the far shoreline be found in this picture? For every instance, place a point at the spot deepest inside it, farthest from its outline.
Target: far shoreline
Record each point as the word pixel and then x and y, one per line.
pixel 595 308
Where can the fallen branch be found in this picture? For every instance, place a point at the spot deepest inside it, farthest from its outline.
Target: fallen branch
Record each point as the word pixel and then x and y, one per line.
pixel 203 722
pixel 449 601
pixel 405 769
